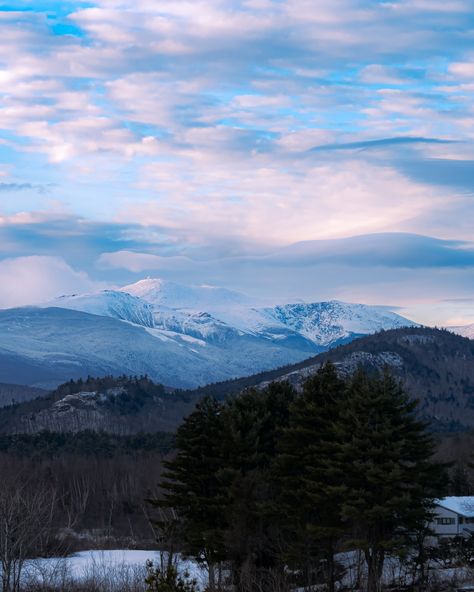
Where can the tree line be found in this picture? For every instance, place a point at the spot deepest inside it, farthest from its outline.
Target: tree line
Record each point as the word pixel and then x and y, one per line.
pixel 268 487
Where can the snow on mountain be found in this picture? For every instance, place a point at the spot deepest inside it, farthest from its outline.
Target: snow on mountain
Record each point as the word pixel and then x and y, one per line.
pixel 200 325
pixel 464 330
pixel 47 346
pixel 328 323
pixel 197 298
pixel 215 312
pixel 181 336
pixel 109 303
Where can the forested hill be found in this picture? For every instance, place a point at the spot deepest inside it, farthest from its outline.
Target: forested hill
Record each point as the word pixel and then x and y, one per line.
pixel 15 393
pixel 119 405
pixel 435 365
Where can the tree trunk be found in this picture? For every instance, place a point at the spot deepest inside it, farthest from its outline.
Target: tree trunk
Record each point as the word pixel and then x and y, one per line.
pixel 212 578
pixel 375 560
pixel 331 584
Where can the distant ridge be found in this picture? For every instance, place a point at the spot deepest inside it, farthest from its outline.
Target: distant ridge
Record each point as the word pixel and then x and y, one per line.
pixel 435 366
pixel 180 336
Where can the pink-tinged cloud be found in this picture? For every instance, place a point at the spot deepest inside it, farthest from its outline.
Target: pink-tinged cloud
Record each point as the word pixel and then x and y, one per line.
pixel 36 279
pixel 138 262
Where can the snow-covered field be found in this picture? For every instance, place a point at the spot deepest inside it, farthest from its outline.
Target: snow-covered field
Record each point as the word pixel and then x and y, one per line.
pixel 120 569
pixel 111 570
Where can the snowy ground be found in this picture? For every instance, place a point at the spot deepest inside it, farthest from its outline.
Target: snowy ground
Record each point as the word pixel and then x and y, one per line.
pixel 120 569
pixel 110 569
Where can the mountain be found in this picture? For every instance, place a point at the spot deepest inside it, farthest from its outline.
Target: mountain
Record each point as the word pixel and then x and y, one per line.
pixel 173 295
pixel 109 303
pixel 324 323
pixel 119 405
pixel 46 346
pixel 330 323
pixel 181 336
pixel 464 330
pixel 436 366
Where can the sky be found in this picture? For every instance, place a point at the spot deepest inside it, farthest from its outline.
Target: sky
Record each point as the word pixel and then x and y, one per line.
pixel 290 149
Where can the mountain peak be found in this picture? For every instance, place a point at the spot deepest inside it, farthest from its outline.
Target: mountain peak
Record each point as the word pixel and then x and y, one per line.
pixel 206 298
pixel 108 303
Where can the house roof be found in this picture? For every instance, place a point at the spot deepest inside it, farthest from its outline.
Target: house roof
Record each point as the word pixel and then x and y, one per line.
pixel 462 505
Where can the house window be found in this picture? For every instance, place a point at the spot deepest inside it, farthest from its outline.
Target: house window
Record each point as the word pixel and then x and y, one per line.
pixel 445 521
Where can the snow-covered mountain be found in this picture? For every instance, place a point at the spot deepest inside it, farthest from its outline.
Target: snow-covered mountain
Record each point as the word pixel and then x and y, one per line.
pixel 109 303
pixel 179 335
pixel 204 310
pixel 47 346
pixel 198 298
pixel 464 330
pixel 328 323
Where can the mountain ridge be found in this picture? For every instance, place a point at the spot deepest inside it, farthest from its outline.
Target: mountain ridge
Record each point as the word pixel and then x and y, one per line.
pixel 434 366
pixel 151 328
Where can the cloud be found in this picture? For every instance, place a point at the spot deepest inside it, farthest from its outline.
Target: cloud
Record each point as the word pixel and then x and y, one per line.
pixel 380 143
pixel 7 187
pixel 35 279
pixel 260 200
pixel 211 129
pixel 138 262
pixel 391 250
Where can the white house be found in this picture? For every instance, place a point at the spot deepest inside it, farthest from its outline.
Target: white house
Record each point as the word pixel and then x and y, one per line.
pixel 454 516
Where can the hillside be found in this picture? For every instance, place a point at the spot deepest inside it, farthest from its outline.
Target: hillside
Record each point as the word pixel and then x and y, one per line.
pixel 17 393
pixel 118 405
pixel 436 366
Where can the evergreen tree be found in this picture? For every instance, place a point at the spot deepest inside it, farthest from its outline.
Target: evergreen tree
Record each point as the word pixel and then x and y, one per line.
pixel 310 490
pixel 255 421
pixel 386 469
pixel 193 486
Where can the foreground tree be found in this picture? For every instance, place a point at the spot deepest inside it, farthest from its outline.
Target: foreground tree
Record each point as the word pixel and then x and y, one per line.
pixel 193 486
pixel 254 425
pixel 267 480
pixel 385 466
pixel 310 489
pixel 26 514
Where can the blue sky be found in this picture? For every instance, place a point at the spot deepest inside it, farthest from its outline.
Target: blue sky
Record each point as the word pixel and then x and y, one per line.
pixel 289 148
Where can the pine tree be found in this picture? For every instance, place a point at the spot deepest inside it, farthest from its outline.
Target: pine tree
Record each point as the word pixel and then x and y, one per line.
pixel 193 486
pixel 310 490
pixel 255 421
pixel 386 468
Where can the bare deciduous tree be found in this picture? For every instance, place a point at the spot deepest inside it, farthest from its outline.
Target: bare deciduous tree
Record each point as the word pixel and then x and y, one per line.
pixel 26 513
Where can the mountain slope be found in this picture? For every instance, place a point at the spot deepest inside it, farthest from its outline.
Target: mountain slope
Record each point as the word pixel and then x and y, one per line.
pixel 17 393
pixel 178 335
pixel 325 324
pixel 198 298
pixel 464 330
pixel 47 346
pixel 436 367
pixel 109 303
pixel 120 405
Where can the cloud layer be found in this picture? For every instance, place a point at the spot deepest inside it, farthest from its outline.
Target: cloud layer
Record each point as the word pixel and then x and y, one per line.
pixel 183 137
